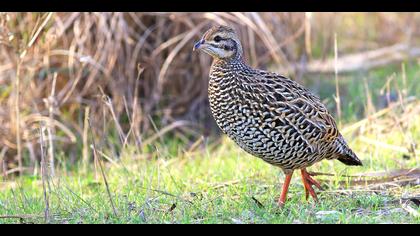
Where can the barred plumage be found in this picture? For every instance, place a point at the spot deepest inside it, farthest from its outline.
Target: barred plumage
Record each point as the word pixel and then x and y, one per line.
pixel 269 115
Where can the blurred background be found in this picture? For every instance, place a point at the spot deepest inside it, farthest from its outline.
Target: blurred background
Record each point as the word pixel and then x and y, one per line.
pixel 136 78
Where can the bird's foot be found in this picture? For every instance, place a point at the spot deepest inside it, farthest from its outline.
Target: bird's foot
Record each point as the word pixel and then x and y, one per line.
pixel 308 182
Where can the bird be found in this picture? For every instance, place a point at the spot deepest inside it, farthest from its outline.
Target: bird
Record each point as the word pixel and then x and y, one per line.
pixel 269 115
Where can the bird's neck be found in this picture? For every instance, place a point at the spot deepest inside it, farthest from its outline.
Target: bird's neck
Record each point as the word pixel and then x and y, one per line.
pixel 226 72
pixel 236 61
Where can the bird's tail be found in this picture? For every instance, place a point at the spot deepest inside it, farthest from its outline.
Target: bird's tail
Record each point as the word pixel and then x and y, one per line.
pixel 347 156
pixel 350 159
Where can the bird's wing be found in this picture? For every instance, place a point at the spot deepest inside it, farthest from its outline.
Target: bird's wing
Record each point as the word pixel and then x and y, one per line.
pixel 287 103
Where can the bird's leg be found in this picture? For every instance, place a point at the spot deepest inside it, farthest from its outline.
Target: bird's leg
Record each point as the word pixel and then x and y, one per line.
pixel 286 184
pixel 308 182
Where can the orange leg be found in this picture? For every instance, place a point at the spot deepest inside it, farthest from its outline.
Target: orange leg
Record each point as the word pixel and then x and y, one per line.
pixel 308 182
pixel 283 195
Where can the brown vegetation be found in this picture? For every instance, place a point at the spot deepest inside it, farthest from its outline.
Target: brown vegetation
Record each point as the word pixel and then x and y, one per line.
pixel 137 74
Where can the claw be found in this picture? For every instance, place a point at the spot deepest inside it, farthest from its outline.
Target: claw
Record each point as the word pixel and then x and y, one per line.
pixel 308 182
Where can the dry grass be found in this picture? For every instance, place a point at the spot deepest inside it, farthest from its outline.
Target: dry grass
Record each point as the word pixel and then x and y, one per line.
pixel 137 75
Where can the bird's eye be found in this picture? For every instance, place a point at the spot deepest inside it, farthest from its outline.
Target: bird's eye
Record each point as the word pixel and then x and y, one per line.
pixel 217 38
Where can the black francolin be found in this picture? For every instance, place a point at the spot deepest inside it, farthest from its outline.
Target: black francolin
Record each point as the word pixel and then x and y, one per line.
pixel 268 115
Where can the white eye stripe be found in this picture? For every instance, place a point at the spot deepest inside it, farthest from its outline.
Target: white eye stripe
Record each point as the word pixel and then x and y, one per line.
pixel 223 46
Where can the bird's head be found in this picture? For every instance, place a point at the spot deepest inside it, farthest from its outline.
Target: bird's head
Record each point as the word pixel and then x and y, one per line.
pixel 220 42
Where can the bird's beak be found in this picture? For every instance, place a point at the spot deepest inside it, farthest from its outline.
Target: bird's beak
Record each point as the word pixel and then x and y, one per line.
pixel 198 44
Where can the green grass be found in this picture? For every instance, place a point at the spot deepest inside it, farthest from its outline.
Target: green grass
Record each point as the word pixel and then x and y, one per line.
pixel 218 183
pixel 209 186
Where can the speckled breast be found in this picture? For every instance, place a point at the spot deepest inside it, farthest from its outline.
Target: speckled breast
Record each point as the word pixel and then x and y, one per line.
pixel 240 112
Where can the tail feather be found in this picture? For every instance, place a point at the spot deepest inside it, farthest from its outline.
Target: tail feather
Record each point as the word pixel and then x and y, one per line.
pixel 350 159
pixel 347 156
